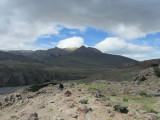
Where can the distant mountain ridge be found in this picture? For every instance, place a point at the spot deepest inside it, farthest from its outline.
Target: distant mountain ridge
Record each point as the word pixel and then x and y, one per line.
pixel 144 64
pixel 5 56
pixel 79 57
pixel 25 67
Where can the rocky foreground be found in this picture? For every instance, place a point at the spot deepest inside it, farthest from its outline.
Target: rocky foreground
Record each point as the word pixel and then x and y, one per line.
pixel 98 100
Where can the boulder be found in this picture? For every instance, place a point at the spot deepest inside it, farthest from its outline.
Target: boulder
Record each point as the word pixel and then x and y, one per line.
pixel 84 109
pixel 59 118
pixel 145 75
pixel 10 100
pixel 33 116
pixel 98 94
pixel 14 117
pixel 107 103
pixel 67 94
pixel 71 105
pixel 121 108
pixel 84 101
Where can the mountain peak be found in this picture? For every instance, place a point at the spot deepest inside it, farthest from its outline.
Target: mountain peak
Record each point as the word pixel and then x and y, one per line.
pixel 70 49
pixel 83 47
pixel 87 50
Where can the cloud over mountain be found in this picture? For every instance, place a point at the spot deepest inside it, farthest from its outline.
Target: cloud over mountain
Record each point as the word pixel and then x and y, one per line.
pixel 74 42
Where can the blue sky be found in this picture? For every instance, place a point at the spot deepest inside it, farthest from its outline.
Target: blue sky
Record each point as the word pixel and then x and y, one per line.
pixel 91 36
pixel 141 48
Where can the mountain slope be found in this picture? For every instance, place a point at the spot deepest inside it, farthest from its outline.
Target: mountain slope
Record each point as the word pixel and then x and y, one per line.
pixel 84 57
pixel 21 52
pixel 59 64
pixel 142 65
pixel 43 55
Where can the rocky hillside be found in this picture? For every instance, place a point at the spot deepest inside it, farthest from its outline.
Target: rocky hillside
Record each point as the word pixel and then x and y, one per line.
pixel 144 64
pixel 98 100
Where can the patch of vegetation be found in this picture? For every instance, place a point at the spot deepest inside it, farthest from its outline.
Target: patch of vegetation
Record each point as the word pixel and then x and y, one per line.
pixel 121 108
pixel 84 101
pixel 150 109
pixel 157 71
pixel 92 88
pixel 35 88
pixel 154 65
pixel 125 99
pixel 109 119
pixel 143 78
pixel 113 94
pixel 143 94
pixel 138 101
pixel 49 110
pixel 5 106
pixel 89 86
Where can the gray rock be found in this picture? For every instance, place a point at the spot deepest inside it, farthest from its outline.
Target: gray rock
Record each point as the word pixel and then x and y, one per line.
pixel 120 108
pixel 67 94
pixel 109 111
pixel 33 116
pixel 84 109
pixel 14 117
pixel 98 94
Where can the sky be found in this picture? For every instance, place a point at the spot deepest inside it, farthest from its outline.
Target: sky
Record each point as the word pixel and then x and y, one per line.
pixel 129 28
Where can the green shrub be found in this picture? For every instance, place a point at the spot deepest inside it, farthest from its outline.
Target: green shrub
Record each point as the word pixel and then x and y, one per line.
pixel 120 108
pixel 35 88
pixel 157 71
pixel 84 101
pixel 49 110
pixel 143 94
pixel 150 109
pixel 113 94
pixel 92 88
pixel 154 65
pixel 143 78
pixel 125 99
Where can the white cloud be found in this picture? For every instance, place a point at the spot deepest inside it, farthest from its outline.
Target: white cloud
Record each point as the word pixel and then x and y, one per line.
pixel 121 47
pixel 19 46
pixel 26 20
pixel 73 42
pixel 127 32
pixel 21 33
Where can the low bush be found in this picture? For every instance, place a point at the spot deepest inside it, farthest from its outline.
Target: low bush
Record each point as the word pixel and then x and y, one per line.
pixel 125 99
pixel 36 88
pixel 154 65
pixel 84 101
pixel 150 109
pixel 92 88
pixel 49 110
pixel 113 94
pixel 121 108
pixel 143 94
pixel 157 71
pixel 143 78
